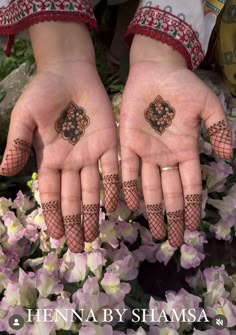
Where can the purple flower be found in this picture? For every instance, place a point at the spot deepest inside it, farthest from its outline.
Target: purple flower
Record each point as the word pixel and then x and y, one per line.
pixel 165 252
pixel 195 239
pixel 190 257
pixel 226 308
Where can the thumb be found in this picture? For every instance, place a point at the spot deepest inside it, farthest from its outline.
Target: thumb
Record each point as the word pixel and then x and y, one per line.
pixel 218 127
pixel 18 147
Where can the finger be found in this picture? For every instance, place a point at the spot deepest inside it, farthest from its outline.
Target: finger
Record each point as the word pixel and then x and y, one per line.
pixel 190 173
pixel 90 184
pixel 18 147
pixel 151 183
pixel 174 204
pixel 130 167
pixel 50 190
pixel 71 210
pixel 218 128
pixel 109 163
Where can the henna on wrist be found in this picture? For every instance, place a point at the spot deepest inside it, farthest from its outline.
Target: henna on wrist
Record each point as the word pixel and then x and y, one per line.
pixel 74 232
pixel 221 139
pixel 53 218
pixel 111 188
pixel 16 157
pixel 175 227
pixel 159 115
pixel 91 221
pixel 156 221
pixel 193 209
pixel 72 123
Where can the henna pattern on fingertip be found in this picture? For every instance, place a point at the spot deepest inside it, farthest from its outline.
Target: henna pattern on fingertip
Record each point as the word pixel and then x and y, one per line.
pixel 53 218
pixel 16 157
pixel 91 221
pixel 131 194
pixel 159 114
pixel 74 232
pixel 72 123
pixel 193 209
pixel 175 227
pixel 156 221
pixel 221 139
pixel 111 187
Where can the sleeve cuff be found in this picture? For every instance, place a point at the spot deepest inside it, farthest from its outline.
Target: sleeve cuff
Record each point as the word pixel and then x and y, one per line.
pixel 170 29
pixel 20 15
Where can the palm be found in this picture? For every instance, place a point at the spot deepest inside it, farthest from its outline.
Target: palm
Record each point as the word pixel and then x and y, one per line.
pixel 68 156
pixel 159 145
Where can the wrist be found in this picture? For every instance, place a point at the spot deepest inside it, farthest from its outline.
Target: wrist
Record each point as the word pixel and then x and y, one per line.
pixel 146 49
pixel 57 43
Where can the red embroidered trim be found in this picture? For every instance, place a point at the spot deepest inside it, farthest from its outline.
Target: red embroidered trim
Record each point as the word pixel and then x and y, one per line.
pixel 20 15
pixel 167 28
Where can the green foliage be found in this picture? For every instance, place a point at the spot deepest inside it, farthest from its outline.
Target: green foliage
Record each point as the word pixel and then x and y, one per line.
pixel 21 53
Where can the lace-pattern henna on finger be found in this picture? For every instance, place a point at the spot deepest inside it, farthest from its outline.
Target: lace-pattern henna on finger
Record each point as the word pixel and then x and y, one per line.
pixel 111 187
pixel 156 221
pixel 221 139
pixel 131 194
pixel 74 232
pixel 193 209
pixel 159 114
pixel 72 123
pixel 175 228
pixel 91 221
pixel 53 218
pixel 16 158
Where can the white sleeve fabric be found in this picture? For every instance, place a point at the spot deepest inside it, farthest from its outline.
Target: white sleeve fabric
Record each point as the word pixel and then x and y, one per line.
pixel 185 24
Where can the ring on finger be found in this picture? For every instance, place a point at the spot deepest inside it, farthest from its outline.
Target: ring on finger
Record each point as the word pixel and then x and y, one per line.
pixel 167 168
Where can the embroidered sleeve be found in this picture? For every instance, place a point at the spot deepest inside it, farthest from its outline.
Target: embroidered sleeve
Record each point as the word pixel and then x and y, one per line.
pixel 185 25
pixel 18 15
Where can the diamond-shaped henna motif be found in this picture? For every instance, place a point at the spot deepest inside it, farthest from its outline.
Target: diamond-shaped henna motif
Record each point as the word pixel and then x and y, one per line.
pixel 159 114
pixel 72 123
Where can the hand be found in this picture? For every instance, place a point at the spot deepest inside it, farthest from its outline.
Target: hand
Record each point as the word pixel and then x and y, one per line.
pixel 66 114
pixel 161 113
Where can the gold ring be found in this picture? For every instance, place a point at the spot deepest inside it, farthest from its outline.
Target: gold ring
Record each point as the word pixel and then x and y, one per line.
pixel 167 168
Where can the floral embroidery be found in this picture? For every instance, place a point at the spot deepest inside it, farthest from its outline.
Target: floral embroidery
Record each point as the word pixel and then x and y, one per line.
pixel 22 11
pixel 170 29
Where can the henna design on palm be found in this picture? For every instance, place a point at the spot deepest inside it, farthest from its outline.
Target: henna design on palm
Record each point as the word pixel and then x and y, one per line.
pixel 131 194
pixel 221 139
pixel 53 218
pixel 175 227
pixel 16 157
pixel 111 187
pixel 156 221
pixel 72 123
pixel 74 232
pixel 159 114
pixel 193 208
pixel 91 221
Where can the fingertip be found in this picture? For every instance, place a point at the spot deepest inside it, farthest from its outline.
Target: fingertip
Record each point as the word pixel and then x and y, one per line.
pixel 221 139
pixel 111 187
pixel 131 195
pixel 15 157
